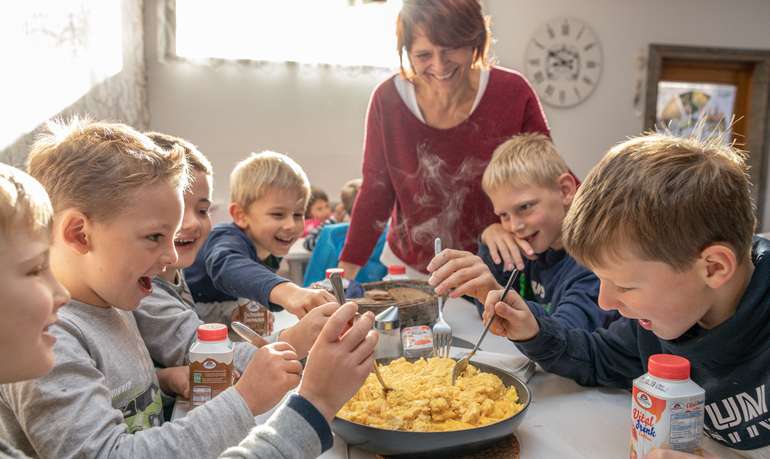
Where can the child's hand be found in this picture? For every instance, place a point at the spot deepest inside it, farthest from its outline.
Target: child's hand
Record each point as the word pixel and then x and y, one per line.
pixel 272 371
pixel 175 380
pixel 462 271
pixel 338 365
pixel 297 300
pixel 303 334
pixel 504 247
pixel 514 319
pixel 658 453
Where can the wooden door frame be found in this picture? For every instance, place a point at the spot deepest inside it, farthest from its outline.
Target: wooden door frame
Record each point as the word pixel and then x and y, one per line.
pixel 757 132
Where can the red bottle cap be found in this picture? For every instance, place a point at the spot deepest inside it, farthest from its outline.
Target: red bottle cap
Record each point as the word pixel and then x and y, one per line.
pixel 396 269
pixel 212 332
pixel 329 272
pixel 669 366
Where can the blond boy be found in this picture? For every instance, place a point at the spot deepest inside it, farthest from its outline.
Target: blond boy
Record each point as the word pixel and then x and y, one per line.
pixel 117 201
pixel 236 266
pixel 531 189
pixel 167 318
pixel 666 224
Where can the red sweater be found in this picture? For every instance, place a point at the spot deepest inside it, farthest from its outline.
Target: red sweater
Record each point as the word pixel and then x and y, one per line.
pixel 428 180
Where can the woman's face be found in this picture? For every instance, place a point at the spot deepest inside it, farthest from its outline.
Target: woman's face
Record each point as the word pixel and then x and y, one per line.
pixel 442 69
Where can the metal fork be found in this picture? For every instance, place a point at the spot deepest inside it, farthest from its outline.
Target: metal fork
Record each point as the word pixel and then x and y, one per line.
pixel 462 364
pixel 442 332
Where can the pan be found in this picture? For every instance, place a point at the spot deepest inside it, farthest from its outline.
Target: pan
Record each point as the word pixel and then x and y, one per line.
pixel 435 444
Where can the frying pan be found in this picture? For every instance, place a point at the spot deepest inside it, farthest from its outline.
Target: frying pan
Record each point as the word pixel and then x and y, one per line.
pixel 396 442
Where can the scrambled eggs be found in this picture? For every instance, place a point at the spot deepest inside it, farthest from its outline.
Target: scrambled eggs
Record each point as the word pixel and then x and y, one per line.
pixel 424 400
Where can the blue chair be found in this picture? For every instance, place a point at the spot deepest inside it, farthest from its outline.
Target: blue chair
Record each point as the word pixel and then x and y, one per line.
pixel 326 254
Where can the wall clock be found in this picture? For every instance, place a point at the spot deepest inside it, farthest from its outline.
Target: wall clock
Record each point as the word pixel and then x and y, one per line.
pixel 564 62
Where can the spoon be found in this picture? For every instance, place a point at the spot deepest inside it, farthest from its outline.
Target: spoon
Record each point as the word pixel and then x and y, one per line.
pixel 248 335
pixel 339 293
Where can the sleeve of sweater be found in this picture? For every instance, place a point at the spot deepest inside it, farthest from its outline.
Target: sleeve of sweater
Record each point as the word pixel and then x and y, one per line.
pixel 375 199
pixel 168 327
pixel 605 357
pixel 576 307
pixel 233 271
pixel 69 414
pixel 295 431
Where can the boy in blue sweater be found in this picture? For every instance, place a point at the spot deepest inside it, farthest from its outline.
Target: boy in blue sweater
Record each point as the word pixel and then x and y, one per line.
pixel 531 189
pixel 666 224
pixel 234 272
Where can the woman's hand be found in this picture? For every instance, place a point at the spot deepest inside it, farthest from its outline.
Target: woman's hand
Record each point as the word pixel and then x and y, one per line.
pixel 505 248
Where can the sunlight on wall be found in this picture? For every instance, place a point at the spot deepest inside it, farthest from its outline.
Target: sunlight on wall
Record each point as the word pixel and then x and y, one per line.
pixel 306 31
pixel 53 53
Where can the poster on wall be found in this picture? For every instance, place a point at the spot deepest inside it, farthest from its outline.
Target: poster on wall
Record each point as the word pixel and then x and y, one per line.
pixel 695 109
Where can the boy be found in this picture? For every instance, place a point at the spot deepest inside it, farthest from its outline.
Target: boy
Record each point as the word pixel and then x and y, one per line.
pixel 666 224
pixel 318 212
pixel 30 297
pixel 102 399
pixel 234 272
pixel 531 189
pixel 166 318
pixel 29 294
pixel 347 199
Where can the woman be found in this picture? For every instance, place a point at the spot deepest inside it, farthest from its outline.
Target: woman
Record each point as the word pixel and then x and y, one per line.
pixel 430 132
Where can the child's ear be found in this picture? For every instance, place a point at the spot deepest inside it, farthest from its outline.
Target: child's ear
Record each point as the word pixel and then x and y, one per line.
pixel 567 186
pixel 76 230
pixel 719 264
pixel 238 214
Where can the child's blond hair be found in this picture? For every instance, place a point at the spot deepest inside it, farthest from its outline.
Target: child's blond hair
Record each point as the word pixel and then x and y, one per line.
pixel 195 159
pixel 348 194
pixel 662 198
pixel 524 160
pixel 24 204
pixel 260 172
pixel 96 167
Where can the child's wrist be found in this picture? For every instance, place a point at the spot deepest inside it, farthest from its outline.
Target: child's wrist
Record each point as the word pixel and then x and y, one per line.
pixel 318 402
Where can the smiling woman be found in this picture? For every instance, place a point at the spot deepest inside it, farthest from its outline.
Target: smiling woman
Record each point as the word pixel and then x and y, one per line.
pixel 430 132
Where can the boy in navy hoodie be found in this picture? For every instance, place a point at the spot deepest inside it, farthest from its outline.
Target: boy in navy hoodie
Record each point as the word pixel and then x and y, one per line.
pixel 666 224
pixel 531 189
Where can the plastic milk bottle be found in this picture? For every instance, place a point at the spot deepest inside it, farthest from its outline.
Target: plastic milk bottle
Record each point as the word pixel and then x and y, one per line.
pixel 666 407
pixel 211 363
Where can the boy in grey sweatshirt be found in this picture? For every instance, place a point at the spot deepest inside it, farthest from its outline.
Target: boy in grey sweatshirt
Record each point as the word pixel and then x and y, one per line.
pixel 102 397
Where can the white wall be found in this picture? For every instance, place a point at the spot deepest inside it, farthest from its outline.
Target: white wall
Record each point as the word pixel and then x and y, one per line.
pixel 316 114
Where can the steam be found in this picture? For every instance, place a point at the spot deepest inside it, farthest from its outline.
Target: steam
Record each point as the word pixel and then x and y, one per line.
pixel 443 189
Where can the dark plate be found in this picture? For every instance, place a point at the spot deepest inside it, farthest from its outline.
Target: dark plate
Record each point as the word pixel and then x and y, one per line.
pixel 396 442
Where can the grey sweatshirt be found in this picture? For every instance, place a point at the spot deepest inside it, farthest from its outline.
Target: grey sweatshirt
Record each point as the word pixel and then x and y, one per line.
pixel 9 452
pixel 168 323
pixel 296 430
pixel 101 400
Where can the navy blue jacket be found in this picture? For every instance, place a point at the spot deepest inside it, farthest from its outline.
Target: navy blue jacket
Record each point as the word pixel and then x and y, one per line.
pixel 556 286
pixel 730 361
pixel 227 268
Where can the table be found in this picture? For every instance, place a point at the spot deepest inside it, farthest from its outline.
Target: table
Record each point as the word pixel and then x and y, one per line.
pixel 564 419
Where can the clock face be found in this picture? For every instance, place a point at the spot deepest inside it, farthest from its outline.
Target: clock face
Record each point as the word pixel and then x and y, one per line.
pixel 564 62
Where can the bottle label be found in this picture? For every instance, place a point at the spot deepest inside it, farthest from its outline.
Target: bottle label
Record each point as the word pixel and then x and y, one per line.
pixel 656 422
pixel 255 316
pixel 208 379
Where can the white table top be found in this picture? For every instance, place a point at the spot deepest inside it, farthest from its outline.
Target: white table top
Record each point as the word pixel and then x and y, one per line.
pixel 564 419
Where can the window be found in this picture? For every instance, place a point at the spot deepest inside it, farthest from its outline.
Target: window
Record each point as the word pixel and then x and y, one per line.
pixel 342 32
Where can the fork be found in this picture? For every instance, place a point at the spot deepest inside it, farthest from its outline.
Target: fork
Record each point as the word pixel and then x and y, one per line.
pixel 442 332
pixel 339 293
pixel 462 364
